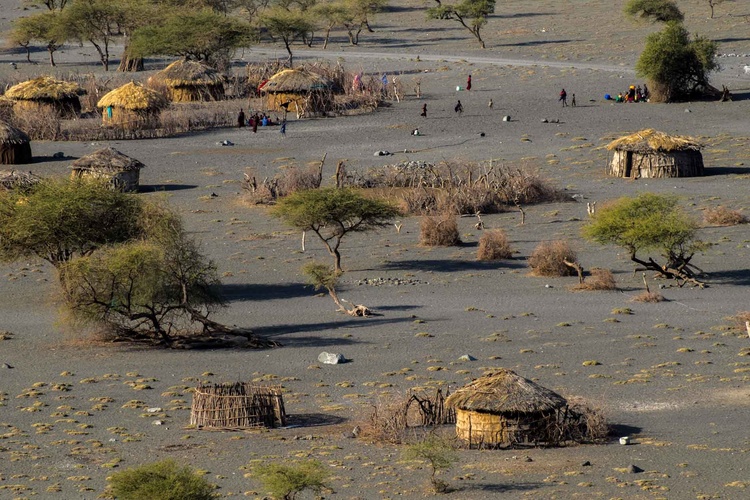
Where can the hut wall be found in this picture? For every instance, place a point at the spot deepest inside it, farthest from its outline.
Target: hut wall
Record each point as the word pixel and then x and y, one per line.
pixel 193 93
pixel 69 108
pixel 129 119
pixel 300 103
pixel 123 181
pixel 657 165
pixel 238 405
pixel 487 429
pixel 15 154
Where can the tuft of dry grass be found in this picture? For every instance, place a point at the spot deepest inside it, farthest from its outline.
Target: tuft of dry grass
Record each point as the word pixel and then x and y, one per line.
pixel 439 231
pixel 494 245
pixel 722 216
pixel 600 279
pixel 647 296
pixel 548 259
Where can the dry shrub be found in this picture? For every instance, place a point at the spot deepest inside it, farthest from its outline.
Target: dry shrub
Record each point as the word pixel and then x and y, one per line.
pixel 548 259
pixel 440 231
pixel 291 179
pixel 722 216
pixel 647 296
pixel 600 279
pixel 739 320
pixel 420 201
pixel 584 423
pixel 494 245
pixel 388 421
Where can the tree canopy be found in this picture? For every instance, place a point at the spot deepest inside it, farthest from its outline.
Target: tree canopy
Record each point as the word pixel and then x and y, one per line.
pixel 654 10
pixel 289 25
pixel 471 14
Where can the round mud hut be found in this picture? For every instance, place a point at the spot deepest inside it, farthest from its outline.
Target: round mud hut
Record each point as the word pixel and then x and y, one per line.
pixel 47 95
pixel 132 106
pixel 297 90
pixel 505 409
pixel 189 81
pixel 15 145
pixel 122 171
pixel 13 179
pixel 652 154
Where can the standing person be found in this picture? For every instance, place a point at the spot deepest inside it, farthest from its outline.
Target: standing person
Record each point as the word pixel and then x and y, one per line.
pixel 283 128
pixel 459 108
pixel 573 101
pixel 424 110
pixel 468 83
pixel 384 79
pixel 255 120
pixel 241 119
pixel 564 97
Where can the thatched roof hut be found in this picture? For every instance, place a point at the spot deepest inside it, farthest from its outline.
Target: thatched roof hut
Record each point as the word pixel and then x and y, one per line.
pixel 132 106
pixel 188 81
pixel 13 179
pixel 649 154
pixel 121 170
pixel 15 146
pixel 297 90
pixel 47 94
pixel 503 408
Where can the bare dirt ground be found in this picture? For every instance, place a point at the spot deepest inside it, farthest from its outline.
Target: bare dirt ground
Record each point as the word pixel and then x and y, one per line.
pixel 672 375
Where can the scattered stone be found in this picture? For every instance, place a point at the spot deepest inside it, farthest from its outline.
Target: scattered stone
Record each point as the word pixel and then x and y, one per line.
pixel 506 118
pixel 625 440
pixel 634 469
pixel 6 365
pixel 214 195
pixel 389 281
pixel 586 464
pixel 528 459
pixel 226 143
pixel 330 358
pixel 548 286
pixel 544 120
pixel 382 153
pixel 158 422
pixel 467 357
pixel 481 134
pixel 153 410
pixel 688 111
pixel 59 154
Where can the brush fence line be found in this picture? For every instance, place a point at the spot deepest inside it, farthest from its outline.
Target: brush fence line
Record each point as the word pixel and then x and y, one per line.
pixel 237 406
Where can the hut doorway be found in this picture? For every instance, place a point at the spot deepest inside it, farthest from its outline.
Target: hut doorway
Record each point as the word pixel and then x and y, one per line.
pixel 628 163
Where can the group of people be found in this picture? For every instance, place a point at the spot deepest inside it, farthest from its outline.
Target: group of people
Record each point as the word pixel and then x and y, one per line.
pixel 258 120
pixel 564 99
pixel 633 94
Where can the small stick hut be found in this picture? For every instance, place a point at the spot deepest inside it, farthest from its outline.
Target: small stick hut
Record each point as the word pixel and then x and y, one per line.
pixel 188 81
pixel 13 179
pixel 503 408
pixel 132 106
pixel 652 154
pixel 46 94
pixel 297 90
pixel 15 146
pixel 122 171
pixel 237 406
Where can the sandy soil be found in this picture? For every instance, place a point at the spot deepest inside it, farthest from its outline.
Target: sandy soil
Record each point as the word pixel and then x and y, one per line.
pixel 673 375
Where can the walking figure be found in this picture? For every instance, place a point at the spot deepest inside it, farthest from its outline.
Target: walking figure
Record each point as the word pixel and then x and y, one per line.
pixel 490 104
pixel 424 110
pixel 468 83
pixel 459 108
pixel 573 101
pixel 283 128
pixel 241 119
pixel 564 97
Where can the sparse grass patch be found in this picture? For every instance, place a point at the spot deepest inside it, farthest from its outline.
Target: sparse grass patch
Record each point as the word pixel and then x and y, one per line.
pixel 650 297
pixel 600 279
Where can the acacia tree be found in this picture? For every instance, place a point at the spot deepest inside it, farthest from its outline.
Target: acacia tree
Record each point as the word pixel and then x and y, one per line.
pixel 676 66
pixel 650 222
pixel 44 27
pixel 654 10
pixel 333 213
pixel 471 14
pixel 289 25
pixel 712 4
pixel 332 14
pixel 438 454
pixel 95 21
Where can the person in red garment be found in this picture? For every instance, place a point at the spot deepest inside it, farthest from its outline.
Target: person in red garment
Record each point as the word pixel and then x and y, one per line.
pixel 468 83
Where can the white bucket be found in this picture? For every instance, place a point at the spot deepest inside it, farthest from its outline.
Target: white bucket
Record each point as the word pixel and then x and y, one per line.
pixel 459 88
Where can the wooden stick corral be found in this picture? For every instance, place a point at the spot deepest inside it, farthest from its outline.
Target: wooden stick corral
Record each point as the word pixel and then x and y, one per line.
pixel 238 405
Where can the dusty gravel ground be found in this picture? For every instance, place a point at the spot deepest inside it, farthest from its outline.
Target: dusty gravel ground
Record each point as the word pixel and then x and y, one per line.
pixel 672 375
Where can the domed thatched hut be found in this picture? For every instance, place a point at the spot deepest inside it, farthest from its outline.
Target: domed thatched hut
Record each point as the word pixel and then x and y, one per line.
pixel 503 408
pixel 15 147
pixel 188 81
pixel 47 94
pixel 650 154
pixel 132 106
pixel 13 179
pixel 297 90
pixel 122 171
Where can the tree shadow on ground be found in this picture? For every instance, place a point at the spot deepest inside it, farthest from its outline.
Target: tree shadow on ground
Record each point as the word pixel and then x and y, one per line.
pixel 313 420
pixel 710 171
pixel 739 277
pixel 498 487
pixel 291 328
pixel 397 308
pixel 450 265
pixel 149 188
pixel 616 431
pixel 52 159
pixel 534 43
pixel 262 291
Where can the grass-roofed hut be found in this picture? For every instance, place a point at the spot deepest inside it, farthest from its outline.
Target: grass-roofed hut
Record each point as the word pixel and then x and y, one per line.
pixel 132 106
pixel 46 94
pixel 297 90
pixel 188 81
pixel 13 179
pixel 652 154
pixel 15 145
pixel 122 171
pixel 505 409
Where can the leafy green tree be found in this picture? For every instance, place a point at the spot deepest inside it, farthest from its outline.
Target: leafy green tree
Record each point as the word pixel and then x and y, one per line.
pixel 136 14
pixel 649 222
pixel 438 454
pixel 285 481
pixel 676 66
pixel 471 14
pixel 654 10
pixel 164 480
pixel 202 35
pixel 332 14
pixel 51 5
pixel 62 219
pixel 44 27
pixel 322 276
pixel 333 213
pixel 95 21
pixel 289 25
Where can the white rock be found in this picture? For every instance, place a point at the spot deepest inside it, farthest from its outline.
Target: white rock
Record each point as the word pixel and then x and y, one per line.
pixel 153 410
pixel 330 358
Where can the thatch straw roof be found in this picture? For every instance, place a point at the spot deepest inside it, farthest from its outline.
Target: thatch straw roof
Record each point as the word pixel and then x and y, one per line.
pixel 11 135
pixel 44 88
pixel 12 179
pixel 107 159
pixel 650 140
pixel 503 392
pixel 5 101
pixel 295 80
pixel 188 73
pixel 134 97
